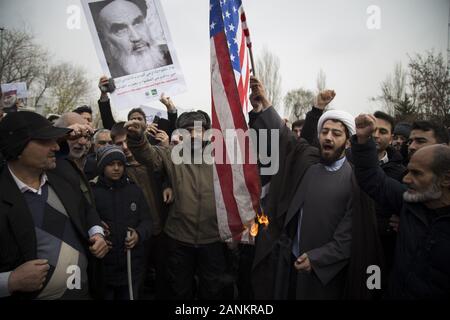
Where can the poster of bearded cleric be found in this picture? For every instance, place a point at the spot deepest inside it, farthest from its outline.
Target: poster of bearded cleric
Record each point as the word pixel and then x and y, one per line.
pixel 134 46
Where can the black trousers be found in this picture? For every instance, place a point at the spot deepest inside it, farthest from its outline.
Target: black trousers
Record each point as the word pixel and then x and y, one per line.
pixel 121 292
pixel 187 263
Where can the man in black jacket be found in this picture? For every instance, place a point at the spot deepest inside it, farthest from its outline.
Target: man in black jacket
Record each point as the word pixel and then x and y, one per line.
pixel 49 234
pixel 422 263
pixel 293 214
pixel 390 161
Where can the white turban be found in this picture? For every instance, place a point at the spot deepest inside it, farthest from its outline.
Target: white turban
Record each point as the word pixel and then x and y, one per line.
pixel 346 118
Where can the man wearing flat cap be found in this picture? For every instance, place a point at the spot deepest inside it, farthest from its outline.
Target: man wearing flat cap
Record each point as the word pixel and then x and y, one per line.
pixel 49 235
pixel 193 240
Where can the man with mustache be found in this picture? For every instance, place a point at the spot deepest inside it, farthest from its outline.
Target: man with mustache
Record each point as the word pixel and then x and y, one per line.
pixel 390 161
pixel 422 263
pixel 426 133
pixel 48 231
pixel 315 228
pixel 78 147
pixel 127 40
pixel 194 247
pixel 74 152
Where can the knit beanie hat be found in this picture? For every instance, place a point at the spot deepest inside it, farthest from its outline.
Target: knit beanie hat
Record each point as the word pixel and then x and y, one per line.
pixel 107 154
pixel 402 129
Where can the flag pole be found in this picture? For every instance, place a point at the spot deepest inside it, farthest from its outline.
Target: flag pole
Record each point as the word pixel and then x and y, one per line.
pixel 248 41
pixel 251 59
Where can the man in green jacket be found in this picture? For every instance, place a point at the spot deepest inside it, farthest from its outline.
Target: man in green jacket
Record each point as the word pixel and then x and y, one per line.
pixel 194 246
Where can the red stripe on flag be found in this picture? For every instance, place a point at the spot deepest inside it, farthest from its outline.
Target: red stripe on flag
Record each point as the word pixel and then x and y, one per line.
pixel 227 73
pixel 226 182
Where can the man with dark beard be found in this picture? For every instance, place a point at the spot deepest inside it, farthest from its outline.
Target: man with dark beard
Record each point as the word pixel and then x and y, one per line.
pixel 194 247
pixel 321 257
pixel 127 41
pixel 314 236
pixel 422 263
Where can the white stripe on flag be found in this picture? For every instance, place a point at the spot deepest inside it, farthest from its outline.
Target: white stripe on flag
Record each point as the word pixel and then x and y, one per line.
pixel 225 116
pixel 222 217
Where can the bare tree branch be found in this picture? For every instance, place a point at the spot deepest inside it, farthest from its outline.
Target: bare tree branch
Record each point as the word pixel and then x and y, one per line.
pixel 297 103
pixel 268 71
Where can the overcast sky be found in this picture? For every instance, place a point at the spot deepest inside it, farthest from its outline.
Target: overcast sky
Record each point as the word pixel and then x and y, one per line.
pixel 305 35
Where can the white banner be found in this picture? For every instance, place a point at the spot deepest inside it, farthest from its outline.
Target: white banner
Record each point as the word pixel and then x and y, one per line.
pixel 19 87
pixel 14 94
pixel 134 46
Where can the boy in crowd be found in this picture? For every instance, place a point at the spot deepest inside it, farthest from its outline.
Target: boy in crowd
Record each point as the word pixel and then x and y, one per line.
pixel 122 207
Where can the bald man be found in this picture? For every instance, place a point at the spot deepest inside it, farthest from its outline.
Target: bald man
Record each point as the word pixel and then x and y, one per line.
pixel 127 41
pixel 422 260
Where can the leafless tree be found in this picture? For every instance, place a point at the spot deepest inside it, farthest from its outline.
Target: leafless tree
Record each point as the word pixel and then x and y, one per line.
pixel 321 81
pixel 430 78
pixel 297 103
pixel 268 71
pixel 21 59
pixel 393 89
pixel 70 88
pixel 422 91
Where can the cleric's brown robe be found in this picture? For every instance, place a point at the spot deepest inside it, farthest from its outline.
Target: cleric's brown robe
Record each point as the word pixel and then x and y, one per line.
pixel 272 264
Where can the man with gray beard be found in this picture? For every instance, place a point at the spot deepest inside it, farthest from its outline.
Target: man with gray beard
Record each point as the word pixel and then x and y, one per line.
pixel 422 261
pixel 74 151
pixel 127 40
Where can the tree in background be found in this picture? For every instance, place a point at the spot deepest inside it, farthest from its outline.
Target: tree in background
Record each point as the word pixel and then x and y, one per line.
pixel 268 71
pixel 420 92
pixel 21 59
pixel 70 88
pixel 57 88
pixel 297 103
pixel 393 89
pixel 321 81
pixel 431 82
pixel 404 110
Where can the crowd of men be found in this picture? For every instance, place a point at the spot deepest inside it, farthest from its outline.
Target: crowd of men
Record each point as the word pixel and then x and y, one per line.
pixel 104 213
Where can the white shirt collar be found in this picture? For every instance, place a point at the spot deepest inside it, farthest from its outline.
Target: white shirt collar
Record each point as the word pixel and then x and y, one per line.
pixel 385 159
pixel 335 166
pixel 24 188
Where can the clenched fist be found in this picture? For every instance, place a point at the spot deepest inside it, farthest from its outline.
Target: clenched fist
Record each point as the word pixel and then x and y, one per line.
pixel 324 98
pixel 258 97
pixel 365 127
pixel 29 276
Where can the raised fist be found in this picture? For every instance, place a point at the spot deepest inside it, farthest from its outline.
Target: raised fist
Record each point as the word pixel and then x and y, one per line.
pixel 258 97
pixel 324 98
pixel 365 127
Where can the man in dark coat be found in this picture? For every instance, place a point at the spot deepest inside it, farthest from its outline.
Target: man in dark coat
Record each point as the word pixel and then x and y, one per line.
pixel 422 261
pixel 326 256
pixel 391 162
pixel 48 231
